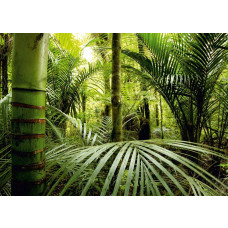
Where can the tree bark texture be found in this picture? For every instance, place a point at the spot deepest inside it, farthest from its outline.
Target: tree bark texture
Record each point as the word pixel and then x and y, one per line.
pixel 116 88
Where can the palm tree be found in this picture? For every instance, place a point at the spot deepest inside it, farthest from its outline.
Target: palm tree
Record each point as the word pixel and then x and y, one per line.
pixel 28 113
pixel 184 69
pixel 116 87
pixel 151 167
pixel 66 79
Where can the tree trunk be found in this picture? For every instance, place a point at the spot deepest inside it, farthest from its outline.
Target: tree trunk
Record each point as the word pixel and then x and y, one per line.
pixel 29 79
pixel 84 108
pixel 5 66
pixel 107 108
pixel 116 88
pixel 145 132
pixel 156 110
pixel 162 133
pixel 191 123
pixel 156 115
pixel 107 91
pixel 106 75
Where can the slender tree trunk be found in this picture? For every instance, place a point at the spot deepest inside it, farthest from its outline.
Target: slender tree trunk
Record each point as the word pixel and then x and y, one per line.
pixel 208 132
pixel 156 110
pixel 107 88
pixel 28 113
pixel 84 108
pixel 218 124
pixel 145 132
pixel 116 88
pixel 107 91
pixel 156 115
pixel 5 66
pixel 161 110
pixel 223 126
pixel 191 124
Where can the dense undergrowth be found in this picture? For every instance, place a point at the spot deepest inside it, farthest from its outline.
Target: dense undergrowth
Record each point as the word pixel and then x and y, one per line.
pixel 151 167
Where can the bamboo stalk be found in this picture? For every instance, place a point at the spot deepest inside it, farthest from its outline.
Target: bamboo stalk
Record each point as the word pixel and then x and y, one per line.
pixel 28 113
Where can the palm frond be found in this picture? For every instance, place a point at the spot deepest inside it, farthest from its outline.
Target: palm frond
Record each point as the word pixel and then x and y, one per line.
pixel 139 168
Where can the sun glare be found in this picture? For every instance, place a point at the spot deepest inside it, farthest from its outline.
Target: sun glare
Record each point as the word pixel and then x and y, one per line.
pixel 87 53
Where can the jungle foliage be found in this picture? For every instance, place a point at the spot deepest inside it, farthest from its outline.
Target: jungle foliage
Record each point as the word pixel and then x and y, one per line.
pixel 173 98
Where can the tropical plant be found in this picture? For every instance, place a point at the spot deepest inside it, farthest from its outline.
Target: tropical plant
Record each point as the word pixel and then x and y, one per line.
pixel 28 113
pixel 66 79
pixel 127 168
pixel 81 158
pixel 184 69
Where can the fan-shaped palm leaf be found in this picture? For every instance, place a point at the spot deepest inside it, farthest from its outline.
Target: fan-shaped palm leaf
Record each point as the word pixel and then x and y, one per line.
pixel 137 168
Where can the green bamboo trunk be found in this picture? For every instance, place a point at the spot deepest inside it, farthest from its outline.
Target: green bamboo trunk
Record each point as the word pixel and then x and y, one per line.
pixel 29 79
pixel 116 88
